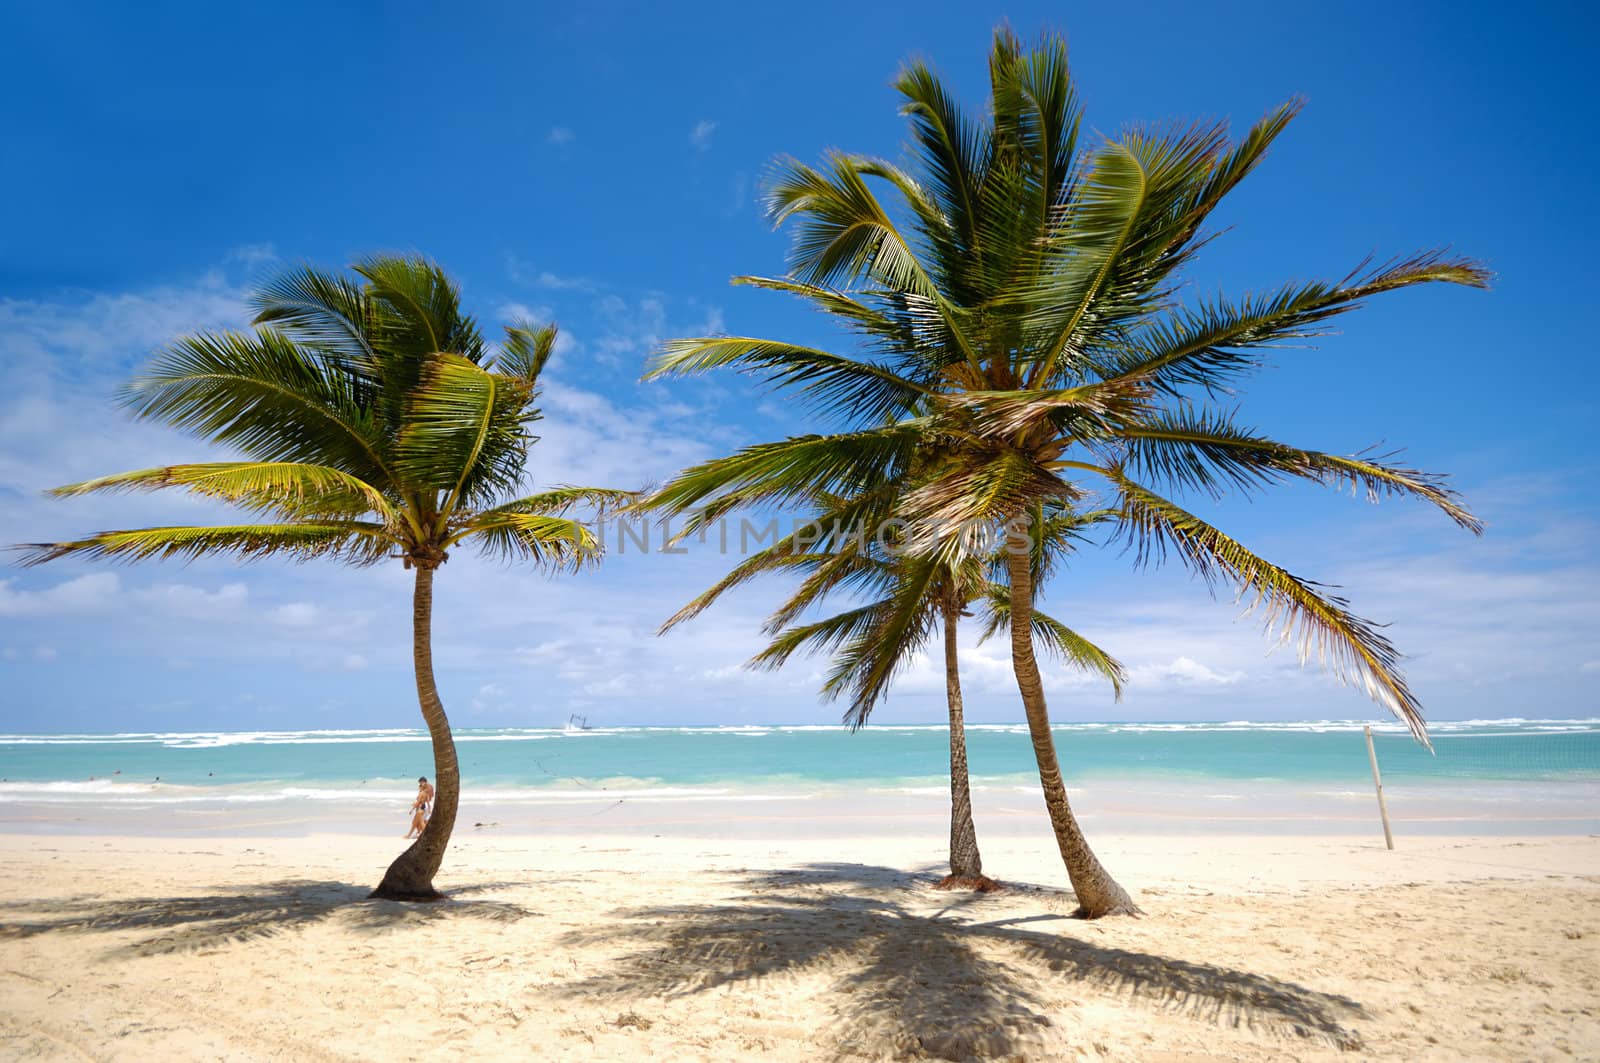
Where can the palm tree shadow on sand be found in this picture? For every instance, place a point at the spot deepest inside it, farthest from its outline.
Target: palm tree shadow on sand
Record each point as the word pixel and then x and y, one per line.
pixel 944 984
pixel 211 920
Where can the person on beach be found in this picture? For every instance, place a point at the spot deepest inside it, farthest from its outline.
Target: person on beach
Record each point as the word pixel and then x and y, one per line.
pixel 420 807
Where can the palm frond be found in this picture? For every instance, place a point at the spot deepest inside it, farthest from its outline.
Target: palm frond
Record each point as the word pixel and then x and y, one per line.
pixel 563 499
pixel 821 637
pixel 795 468
pixel 526 350
pixel 840 558
pixel 321 310
pixel 772 559
pixel 354 542
pixel 288 487
pixel 870 662
pixel 418 311
pixel 1208 345
pixel 1054 636
pixel 1086 411
pixel 844 232
pixel 465 430
pixel 981 488
pixel 546 541
pixel 264 395
pixel 860 391
pixel 848 570
pixel 1206 450
pixel 952 151
pixel 1354 650
pixel 1118 241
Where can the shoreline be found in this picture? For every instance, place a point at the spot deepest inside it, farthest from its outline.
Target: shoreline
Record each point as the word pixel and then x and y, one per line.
pixel 820 810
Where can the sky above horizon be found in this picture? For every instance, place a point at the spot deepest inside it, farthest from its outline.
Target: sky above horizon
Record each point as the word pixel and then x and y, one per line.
pixel 600 165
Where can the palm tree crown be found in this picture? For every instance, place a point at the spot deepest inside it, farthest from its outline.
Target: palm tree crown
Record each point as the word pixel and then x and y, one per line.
pixel 1016 300
pixel 1023 346
pixel 374 418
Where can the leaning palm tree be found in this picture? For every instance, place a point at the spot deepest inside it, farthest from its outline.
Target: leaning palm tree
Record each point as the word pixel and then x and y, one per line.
pixel 911 598
pixel 1016 299
pixel 376 423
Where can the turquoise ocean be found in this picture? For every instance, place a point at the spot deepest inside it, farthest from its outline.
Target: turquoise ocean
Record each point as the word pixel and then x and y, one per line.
pixel 1515 774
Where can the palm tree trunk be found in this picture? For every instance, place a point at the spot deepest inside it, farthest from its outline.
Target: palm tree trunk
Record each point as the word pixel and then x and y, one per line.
pixel 966 864
pixel 410 877
pixel 1098 893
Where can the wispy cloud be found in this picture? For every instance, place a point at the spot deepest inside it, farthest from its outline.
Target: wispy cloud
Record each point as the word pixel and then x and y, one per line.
pixel 524 272
pixel 1494 626
pixel 1184 670
pixel 253 255
pixel 700 135
pixel 560 136
pixel 738 194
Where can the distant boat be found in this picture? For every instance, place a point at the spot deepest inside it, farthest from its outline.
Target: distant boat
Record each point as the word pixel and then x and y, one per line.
pixel 577 723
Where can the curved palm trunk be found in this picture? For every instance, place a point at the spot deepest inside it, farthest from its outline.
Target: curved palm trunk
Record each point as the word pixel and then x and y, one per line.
pixel 966 863
pixel 410 877
pixel 1098 893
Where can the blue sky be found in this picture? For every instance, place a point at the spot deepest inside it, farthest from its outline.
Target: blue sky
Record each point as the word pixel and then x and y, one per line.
pixel 601 164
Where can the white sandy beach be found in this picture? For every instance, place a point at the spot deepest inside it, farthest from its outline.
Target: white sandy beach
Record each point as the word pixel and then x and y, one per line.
pixel 632 946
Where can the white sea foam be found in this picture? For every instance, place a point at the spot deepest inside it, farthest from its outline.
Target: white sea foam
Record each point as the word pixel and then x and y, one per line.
pixel 216 739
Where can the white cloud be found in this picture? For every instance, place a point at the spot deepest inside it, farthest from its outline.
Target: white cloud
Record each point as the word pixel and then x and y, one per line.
pixel 195 603
pixel 1184 670
pixel 488 695
pixel 82 594
pixel 253 255
pixel 1492 625
pixel 510 312
pixel 738 194
pixel 588 439
pixel 700 135
pixel 546 279
pixel 545 650
pixel 296 614
pixel 560 136
pixel 523 272
pixel 39 654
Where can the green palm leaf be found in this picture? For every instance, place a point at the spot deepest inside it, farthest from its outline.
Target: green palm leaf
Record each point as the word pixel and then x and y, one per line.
pixel 1055 637
pixel 861 391
pixel 1352 649
pixel 795 468
pixel 1207 450
pixel 264 395
pixel 526 349
pixel 353 542
pixel 320 310
pixel 1207 346
pixel 465 430
pixel 545 541
pixel 288 487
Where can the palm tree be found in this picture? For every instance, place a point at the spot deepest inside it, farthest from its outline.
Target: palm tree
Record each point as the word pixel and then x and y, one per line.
pixel 376 423
pixel 911 597
pixel 1017 300
pixel 915 595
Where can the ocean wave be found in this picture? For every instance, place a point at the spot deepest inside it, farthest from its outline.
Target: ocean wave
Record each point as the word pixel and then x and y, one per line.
pixel 101 792
pixel 333 736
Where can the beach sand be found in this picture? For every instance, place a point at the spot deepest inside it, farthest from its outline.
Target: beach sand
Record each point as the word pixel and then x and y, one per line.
pixel 614 947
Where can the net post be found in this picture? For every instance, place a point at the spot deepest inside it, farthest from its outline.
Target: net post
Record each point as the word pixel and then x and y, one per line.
pixel 1377 782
